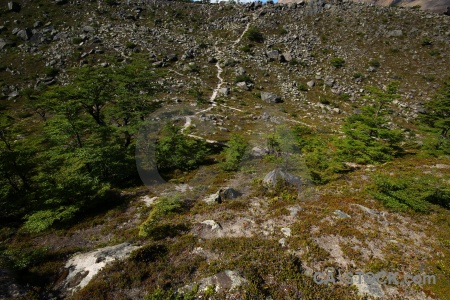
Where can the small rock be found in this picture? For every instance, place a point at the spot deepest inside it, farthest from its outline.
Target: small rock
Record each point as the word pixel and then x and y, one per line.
pixel 270 98
pixel 311 83
pixel 224 91
pixel 286 231
pixel 340 214
pixel 88 29
pixel 272 55
pixel 242 85
pixel 213 224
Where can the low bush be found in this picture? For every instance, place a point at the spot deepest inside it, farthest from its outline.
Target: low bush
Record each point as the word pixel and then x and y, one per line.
pixel 410 192
pixel 337 62
pixel 235 152
pixel 254 35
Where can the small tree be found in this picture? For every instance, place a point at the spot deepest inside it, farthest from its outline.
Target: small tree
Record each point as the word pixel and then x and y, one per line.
pixel 234 153
pixel 254 35
pixel 177 151
pixel 368 137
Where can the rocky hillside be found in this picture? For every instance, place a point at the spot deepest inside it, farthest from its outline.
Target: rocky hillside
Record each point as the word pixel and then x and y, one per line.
pixel 303 140
pixel 440 6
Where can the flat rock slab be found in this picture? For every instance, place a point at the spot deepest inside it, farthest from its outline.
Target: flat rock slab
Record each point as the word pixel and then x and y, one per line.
pixel 223 281
pixel 82 267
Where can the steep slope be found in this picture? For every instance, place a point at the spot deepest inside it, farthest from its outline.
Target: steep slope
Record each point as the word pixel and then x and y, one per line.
pixel 283 82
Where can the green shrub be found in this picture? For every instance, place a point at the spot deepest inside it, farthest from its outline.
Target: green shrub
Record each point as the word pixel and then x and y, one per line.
pixel 426 42
pixel 410 191
pixel 130 45
pixel 368 138
pixel 374 63
pixel 237 147
pixel 302 87
pixel 243 78
pixel 337 62
pixel 178 151
pixel 247 48
pixel 254 35
pixel 165 207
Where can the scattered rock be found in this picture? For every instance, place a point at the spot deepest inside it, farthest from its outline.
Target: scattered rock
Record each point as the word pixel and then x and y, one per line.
pixel 243 85
pixel 88 29
pixel 394 33
pixel 311 83
pixel 222 282
pixel 340 214
pixel 286 231
pixel 272 55
pixel 24 34
pixel 274 176
pixel 212 224
pixel 212 60
pixel 224 91
pixel 286 57
pixel 270 98
pixel 240 71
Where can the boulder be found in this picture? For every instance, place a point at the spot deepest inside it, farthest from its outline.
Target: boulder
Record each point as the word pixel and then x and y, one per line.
pixel 270 98
pixel 88 29
pixel 212 60
pixel 14 6
pixel 172 57
pixel 240 71
pixel 5 42
pixel 311 83
pixel 224 91
pixel 24 34
pixel 242 85
pixel 286 57
pixel 221 195
pixel 273 177
pixel 395 33
pixel 272 55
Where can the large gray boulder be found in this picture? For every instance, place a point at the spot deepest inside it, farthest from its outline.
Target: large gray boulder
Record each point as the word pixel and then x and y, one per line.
pixel 278 175
pixel 270 98
pixel 24 34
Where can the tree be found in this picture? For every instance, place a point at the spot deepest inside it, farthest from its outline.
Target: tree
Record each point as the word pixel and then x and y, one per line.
pixel 237 146
pixel 368 137
pixel 437 115
pixel 174 150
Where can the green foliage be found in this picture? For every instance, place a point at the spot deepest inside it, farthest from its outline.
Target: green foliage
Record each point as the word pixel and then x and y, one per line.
pixel 254 35
pixel 237 147
pixel 337 62
pixel 165 207
pixel 44 219
pixel 404 191
pixel 243 78
pixel 426 42
pixel 83 144
pixel 368 137
pixel 130 45
pixel 437 116
pixel 302 87
pixel 374 63
pixel 247 48
pixel 19 259
pixel 174 150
